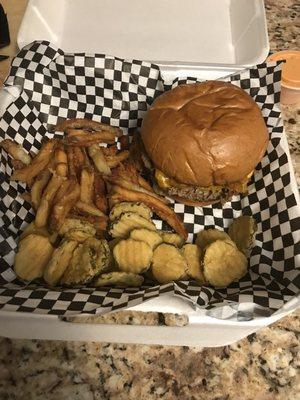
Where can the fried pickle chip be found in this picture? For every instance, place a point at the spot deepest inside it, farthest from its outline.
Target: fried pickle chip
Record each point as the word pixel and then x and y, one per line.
pixel 33 255
pixel 78 235
pixel 129 206
pixel 89 259
pixel 71 224
pixel 59 262
pixel 168 264
pixel 207 236
pixel 150 237
pixel 132 255
pixel 223 263
pixel 43 231
pixel 192 254
pixel 172 238
pixel 127 222
pixel 242 232
pixel 117 278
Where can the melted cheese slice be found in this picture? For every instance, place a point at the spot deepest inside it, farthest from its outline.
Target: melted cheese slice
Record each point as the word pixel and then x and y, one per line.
pixel 165 183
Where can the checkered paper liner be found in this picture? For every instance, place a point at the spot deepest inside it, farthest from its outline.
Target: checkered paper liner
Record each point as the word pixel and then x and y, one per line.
pixel 56 86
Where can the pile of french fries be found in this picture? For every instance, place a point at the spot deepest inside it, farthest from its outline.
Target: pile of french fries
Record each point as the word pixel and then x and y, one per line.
pixel 76 175
pixel 83 175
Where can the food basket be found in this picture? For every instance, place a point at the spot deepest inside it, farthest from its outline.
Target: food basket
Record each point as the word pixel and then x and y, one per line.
pixel 46 85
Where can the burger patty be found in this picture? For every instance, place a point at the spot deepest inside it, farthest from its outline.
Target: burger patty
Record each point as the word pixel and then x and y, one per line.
pixel 200 194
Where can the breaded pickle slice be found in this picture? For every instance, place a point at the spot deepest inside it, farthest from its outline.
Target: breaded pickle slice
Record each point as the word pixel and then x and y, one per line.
pixel 192 255
pixel 150 237
pixel 78 224
pixel 127 222
pixel 78 235
pixel 117 278
pixel 34 253
pixel 172 238
pixel 208 236
pixel 132 255
pixel 168 264
pixel 242 232
pixel 127 206
pixel 223 263
pixel 59 262
pixel 89 259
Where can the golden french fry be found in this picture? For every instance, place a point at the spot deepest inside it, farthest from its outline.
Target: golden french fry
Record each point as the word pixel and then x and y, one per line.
pixel 80 159
pixel 27 197
pixel 65 187
pixel 60 156
pixel 144 184
pixel 138 154
pixel 43 210
pixel 16 151
pixel 124 142
pixel 127 172
pixel 87 186
pixel 161 209
pixel 71 162
pixel 62 207
pixel 100 194
pixel 96 154
pixel 17 164
pixel 39 185
pixel 114 161
pixel 62 169
pixel 61 161
pixel 82 139
pixel 39 162
pixel 127 184
pixel 81 123
pixel 110 150
pixel 88 209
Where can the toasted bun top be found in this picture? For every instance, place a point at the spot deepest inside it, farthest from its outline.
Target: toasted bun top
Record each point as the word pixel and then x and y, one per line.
pixel 205 134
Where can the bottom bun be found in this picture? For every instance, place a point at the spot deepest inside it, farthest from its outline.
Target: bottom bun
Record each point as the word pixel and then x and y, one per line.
pixel 188 202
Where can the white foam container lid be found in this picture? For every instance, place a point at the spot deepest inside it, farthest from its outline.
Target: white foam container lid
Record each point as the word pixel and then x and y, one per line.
pixel 206 39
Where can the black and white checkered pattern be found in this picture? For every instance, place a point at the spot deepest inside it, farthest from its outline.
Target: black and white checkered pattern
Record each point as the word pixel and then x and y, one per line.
pixel 57 86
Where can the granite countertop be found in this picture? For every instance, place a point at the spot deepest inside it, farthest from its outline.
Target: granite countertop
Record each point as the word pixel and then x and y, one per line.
pixel 264 366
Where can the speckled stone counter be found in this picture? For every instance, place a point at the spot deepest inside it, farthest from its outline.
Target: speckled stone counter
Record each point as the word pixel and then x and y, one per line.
pixel 265 366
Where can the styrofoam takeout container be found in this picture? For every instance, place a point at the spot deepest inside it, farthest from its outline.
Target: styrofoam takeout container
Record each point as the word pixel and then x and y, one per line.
pixel 206 39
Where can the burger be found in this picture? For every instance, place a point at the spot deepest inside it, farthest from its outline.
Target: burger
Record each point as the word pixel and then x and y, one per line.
pixel 204 141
